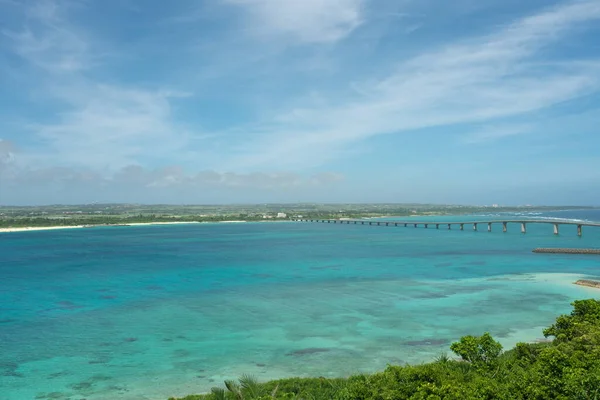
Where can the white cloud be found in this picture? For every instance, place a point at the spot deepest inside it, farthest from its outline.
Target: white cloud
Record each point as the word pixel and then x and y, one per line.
pixel 99 125
pixel 491 133
pixel 176 177
pixel 7 154
pixel 307 21
pixel 110 127
pixel 484 79
pixel 48 41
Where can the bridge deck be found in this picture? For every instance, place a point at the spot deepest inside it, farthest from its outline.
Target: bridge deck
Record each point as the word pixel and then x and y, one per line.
pixel 482 222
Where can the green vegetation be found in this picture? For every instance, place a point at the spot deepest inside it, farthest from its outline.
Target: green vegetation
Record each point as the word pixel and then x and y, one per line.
pixel 116 214
pixel 567 368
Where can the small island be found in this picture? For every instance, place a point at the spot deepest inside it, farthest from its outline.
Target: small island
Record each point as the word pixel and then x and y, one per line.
pixel 589 283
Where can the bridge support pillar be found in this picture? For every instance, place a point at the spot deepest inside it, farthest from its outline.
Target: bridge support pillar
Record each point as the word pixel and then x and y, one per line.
pixel 405 225
pixel 489 227
pixel 449 226
pixel 462 227
pixel 362 222
pixel 579 230
pixel 437 226
pixel 504 227
pixel 523 227
pixel 474 227
pixel 415 225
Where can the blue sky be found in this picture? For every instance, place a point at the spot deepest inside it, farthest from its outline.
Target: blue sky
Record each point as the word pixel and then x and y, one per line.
pixel 229 101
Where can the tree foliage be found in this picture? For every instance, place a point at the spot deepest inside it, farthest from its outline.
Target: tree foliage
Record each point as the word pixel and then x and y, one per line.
pixel 567 368
pixel 482 351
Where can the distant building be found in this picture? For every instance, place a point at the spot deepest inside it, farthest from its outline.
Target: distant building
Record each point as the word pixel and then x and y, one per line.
pixel 281 215
pixel 495 205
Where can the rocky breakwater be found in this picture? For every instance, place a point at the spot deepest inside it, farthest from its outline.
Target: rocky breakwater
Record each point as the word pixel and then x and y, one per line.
pixel 566 251
pixel 587 282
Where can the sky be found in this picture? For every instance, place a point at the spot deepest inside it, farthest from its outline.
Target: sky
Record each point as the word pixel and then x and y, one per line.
pixel 266 101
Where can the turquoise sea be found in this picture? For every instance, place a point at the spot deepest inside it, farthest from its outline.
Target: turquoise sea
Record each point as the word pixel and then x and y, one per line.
pixel 154 311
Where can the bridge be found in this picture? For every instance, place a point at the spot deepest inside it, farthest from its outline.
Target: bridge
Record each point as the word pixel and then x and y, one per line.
pixel 461 225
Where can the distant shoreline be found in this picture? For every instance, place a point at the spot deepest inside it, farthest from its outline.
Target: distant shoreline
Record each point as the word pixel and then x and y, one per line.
pixel 51 228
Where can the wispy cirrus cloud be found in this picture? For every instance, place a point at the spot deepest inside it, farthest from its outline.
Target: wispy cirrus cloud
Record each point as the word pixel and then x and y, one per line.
pixel 97 125
pixel 488 134
pixel 48 42
pixel 306 21
pixel 502 74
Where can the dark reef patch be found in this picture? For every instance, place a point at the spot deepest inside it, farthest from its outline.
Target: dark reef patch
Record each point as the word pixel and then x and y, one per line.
pixel 52 396
pixel 81 386
pixel 55 375
pixel 262 276
pixel 446 264
pixel 327 267
pixel 94 362
pixel 10 369
pixel 431 296
pixel 426 342
pixel 304 352
pixel 181 353
pixel 99 378
pixel 477 263
pixel 68 305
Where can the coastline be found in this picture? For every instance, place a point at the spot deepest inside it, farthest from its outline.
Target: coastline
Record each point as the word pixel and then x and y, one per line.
pixel 39 228
pixel 50 228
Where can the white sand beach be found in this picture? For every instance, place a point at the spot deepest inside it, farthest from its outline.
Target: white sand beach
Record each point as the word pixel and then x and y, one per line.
pixel 39 228
pixel 47 228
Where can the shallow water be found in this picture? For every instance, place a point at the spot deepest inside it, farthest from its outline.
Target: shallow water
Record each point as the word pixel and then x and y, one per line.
pixel 149 312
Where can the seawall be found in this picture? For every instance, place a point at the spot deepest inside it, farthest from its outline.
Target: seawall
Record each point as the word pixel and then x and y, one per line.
pixel 566 251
